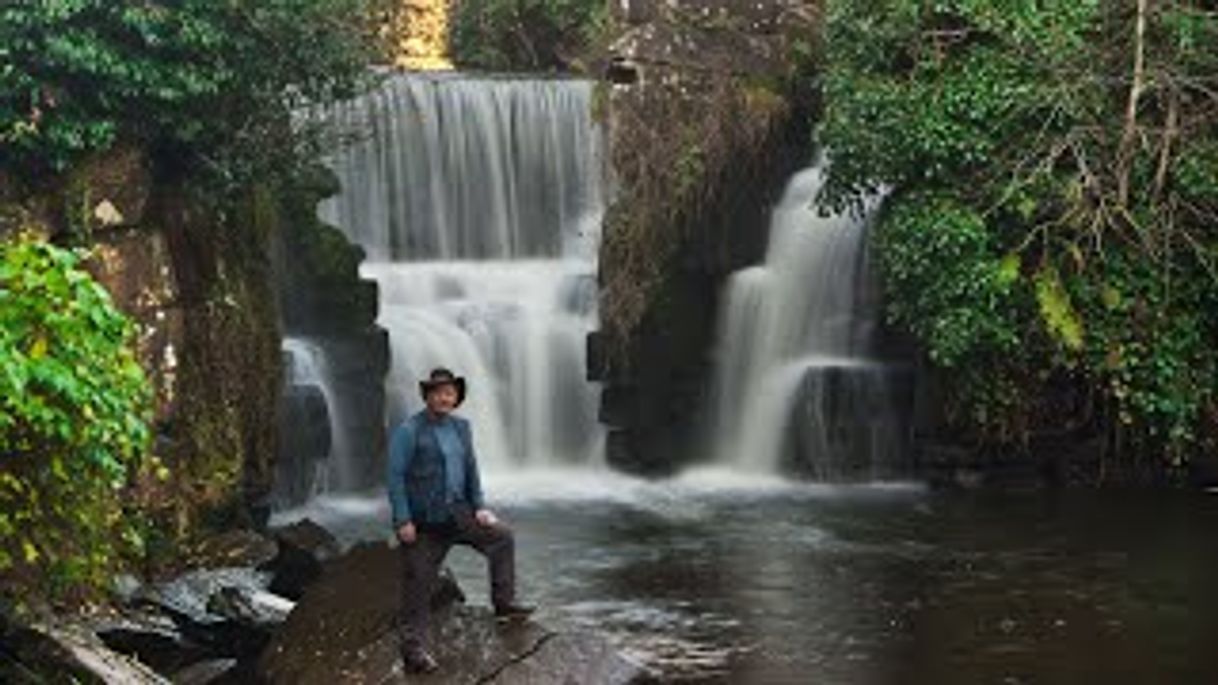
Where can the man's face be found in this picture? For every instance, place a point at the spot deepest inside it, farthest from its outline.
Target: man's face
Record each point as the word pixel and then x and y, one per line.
pixel 442 399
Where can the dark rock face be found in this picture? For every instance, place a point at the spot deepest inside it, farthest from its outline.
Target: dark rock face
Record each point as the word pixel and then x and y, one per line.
pixel 304 441
pixel 304 547
pixel 324 299
pixel 709 111
pixel 849 423
pixel 343 631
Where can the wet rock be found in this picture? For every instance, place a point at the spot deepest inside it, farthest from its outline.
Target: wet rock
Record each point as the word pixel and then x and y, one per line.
pixel 849 423
pixel 149 635
pixel 343 630
pixel 304 442
pixel 65 649
pixel 188 595
pixel 236 548
pixel 303 547
pixel 203 672
pixel 250 607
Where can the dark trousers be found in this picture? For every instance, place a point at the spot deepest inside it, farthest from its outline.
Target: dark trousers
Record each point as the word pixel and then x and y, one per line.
pixel 421 562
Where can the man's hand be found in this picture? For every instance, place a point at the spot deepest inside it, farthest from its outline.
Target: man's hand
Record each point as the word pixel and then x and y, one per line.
pixel 407 533
pixel 486 517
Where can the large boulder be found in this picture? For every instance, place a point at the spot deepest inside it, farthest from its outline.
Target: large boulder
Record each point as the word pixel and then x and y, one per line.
pixel 304 547
pixel 343 630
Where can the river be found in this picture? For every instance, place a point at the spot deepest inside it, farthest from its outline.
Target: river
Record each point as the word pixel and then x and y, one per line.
pixel 717 577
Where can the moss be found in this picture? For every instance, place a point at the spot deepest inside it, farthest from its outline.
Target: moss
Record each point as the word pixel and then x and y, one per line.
pixel 321 289
pixel 219 442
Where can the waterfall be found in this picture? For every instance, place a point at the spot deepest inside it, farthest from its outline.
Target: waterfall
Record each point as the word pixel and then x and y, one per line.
pixel 478 202
pixel 317 466
pixel 453 167
pixel 796 373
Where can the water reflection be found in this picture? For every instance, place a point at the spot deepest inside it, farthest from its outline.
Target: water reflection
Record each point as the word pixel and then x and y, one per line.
pixel 771 583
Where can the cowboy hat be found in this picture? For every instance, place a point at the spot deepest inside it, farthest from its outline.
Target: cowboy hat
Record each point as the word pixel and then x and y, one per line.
pixel 442 376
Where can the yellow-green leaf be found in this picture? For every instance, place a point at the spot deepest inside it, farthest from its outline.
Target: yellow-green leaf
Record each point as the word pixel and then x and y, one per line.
pixel 30 551
pixel 1059 315
pixel 1008 269
pixel 39 349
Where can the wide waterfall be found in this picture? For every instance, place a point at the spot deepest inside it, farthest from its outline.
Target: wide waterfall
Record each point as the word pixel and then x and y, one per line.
pixel 797 384
pixel 455 167
pixel 478 202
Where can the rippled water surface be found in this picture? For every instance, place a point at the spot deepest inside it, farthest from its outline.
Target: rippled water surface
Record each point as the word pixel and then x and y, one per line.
pixel 719 578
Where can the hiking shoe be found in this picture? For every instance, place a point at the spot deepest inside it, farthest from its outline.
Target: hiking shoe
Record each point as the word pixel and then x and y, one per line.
pixel 513 612
pixel 419 661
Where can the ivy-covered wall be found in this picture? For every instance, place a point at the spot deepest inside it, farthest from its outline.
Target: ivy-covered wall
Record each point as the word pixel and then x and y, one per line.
pixel 195 277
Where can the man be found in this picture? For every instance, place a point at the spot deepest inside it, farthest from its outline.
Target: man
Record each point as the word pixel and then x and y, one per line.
pixel 436 496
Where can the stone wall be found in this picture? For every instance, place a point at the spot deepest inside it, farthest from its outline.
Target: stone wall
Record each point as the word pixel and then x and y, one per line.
pixel 195 276
pixel 708 105
pixel 323 298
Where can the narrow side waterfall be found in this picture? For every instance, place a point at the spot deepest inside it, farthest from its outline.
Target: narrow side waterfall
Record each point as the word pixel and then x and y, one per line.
pixel 320 442
pixel 797 386
pixel 478 202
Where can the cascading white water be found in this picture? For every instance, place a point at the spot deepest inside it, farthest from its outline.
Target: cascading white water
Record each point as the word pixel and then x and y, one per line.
pixel 456 167
pixel 478 202
pixel 795 334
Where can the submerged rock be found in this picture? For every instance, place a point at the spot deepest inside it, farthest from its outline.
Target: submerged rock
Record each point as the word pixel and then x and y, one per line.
pixel 343 630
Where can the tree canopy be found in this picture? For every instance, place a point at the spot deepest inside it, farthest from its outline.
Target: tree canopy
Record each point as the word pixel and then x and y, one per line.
pixel 208 85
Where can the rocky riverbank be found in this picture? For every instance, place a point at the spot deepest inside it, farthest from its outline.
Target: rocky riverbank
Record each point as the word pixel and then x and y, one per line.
pixel 232 620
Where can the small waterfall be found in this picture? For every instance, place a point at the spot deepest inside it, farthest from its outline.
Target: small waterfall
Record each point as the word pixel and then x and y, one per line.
pixel 479 202
pixel 796 383
pixel 315 456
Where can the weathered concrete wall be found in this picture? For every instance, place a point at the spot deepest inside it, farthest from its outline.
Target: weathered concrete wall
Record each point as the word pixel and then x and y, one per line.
pixel 708 105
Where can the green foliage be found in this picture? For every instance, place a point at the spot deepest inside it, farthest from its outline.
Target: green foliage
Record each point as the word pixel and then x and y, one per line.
pixel 74 406
pixel 211 85
pixel 1035 230
pixel 957 294
pixel 527 35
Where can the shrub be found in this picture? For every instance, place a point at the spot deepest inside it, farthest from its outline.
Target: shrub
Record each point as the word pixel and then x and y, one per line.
pixel 74 411
pixel 1052 204
pixel 527 35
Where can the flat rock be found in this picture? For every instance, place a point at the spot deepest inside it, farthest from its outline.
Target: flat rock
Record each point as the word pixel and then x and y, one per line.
pixel 60 649
pixel 342 630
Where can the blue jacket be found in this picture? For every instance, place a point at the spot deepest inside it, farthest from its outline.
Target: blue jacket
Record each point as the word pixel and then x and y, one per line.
pixel 417 477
